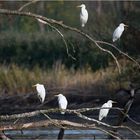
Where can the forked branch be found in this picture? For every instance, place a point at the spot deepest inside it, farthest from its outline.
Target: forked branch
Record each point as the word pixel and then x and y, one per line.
pixel 59 23
pixel 62 123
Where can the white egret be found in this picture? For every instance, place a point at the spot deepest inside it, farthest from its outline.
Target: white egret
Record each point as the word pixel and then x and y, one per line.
pixel 40 92
pixel 83 15
pixel 103 112
pixel 62 101
pixel 118 32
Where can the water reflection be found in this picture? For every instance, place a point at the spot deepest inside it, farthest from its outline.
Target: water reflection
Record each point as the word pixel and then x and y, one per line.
pixel 61 134
pixel 54 133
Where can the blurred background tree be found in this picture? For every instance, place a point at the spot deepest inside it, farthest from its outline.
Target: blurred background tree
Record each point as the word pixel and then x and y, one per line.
pixel 26 42
pixel 28 46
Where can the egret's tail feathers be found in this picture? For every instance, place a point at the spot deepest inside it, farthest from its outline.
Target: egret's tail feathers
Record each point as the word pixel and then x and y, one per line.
pixel 99 123
pixel 83 25
pixel 62 112
pixel 100 118
pixel 114 39
pixel 41 100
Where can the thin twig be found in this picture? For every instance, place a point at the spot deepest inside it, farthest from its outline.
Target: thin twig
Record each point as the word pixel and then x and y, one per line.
pixel 121 52
pixel 60 33
pixel 109 133
pixel 27 4
pixel 56 124
pixel 35 113
pixel 114 57
pixel 52 21
pixel 7 117
pixel 107 125
pixel 16 121
pixel 130 129
pixel 136 122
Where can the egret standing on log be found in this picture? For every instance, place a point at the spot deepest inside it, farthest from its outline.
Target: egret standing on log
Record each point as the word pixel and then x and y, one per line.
pixel 83 15
pixel 62 101
pixel 40 92
pixel 118 32
pixel 103 112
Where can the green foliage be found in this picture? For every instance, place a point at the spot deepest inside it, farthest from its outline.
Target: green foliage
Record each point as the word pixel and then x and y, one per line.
pixel 27 43
pixel 31 52
pixel 43 50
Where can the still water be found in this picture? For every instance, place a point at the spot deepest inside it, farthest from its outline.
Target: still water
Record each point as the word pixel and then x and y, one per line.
pixel 88 134
pixel 52 133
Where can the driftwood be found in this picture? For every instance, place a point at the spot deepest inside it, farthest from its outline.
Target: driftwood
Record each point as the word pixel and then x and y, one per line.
pixel 45 123
pixel 66 125
pixel 90 123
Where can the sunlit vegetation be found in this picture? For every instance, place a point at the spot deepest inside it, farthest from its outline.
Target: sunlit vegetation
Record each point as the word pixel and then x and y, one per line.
pixel 19 80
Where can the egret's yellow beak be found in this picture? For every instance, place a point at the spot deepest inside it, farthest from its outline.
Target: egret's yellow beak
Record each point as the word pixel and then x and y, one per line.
pixel 125 25
pixel 114 102
pixel 55 95
pixel 33 85
pixel 78 6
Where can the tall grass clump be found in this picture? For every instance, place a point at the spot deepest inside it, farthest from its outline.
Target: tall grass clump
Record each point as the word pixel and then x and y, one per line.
pixel 19 80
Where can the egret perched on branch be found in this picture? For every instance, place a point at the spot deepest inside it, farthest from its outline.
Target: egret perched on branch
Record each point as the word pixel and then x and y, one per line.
pixel 83 15
pixel 62 101
pixel 40 92
pixel 103 112
pixel 118 32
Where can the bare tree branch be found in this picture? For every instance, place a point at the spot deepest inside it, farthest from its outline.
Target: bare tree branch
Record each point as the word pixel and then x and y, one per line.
pixel 130 129
pixel 121 52
pixel 27 4
pixel 57 123
pixel 45 123
pixel 59 23
pixel 35 113
pixel 76 111
pixel 107 125
pixel 66 125
pixel 81 110
pixel 137 123
pixel 118 65
pixel 60 33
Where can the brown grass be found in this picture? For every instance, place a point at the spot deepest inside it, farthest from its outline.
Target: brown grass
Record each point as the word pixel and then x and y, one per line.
pixel 17 80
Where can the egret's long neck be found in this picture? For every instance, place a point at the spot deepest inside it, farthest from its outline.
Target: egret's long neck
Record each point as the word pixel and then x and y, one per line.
pixel 122 27
pixel 132 92
pixel 83 9
pixel 110 104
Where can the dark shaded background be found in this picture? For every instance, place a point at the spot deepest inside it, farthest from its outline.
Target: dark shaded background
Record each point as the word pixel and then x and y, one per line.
pixel 27 43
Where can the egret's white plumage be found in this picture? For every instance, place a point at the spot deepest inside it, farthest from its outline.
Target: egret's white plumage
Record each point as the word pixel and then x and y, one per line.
pixel 83 15
pixel 103 112
pixel 40 92
pixel 62 101
pixel 118 32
